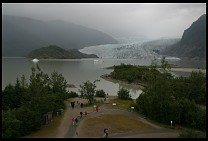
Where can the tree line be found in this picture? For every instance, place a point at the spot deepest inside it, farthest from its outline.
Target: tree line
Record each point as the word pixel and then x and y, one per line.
pixel 24 104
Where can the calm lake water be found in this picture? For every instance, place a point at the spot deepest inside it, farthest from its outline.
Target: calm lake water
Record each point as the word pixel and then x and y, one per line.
pixel 77 71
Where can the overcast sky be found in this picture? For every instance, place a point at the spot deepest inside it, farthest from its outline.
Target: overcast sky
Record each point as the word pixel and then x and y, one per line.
pixel 150 20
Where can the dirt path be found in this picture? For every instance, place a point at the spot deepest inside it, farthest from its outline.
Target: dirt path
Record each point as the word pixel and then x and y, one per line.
pixel 67 130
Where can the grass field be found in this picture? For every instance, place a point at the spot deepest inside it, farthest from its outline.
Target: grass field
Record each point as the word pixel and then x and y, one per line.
pixel 118 123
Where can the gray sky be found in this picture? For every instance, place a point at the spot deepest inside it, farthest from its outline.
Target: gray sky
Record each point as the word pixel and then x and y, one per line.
pixel 151 20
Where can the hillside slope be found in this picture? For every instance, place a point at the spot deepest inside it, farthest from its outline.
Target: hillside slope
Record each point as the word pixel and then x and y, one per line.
pixel 22 35
pixel 193 42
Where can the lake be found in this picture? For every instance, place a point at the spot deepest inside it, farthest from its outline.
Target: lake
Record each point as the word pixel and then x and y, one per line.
pixel 76 71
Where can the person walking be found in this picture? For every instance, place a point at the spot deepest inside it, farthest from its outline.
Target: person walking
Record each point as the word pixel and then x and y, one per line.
pixel 81 105
pixel 76 121
pixel 97 108
pixel 105 133
pixel 73 121
pixel 72 105
pixel 81 114
pixel 85 113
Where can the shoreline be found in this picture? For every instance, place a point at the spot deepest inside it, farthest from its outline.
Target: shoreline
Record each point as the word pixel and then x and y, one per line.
pixel 141 86
pixel 181 69
pixel 188 70
pixel 108 78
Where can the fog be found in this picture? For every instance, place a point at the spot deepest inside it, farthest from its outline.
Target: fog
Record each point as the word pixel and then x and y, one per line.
pixel 124 19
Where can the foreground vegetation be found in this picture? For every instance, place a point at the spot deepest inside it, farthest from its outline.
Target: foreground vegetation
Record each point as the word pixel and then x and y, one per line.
pixel 166 98
pixel 24 105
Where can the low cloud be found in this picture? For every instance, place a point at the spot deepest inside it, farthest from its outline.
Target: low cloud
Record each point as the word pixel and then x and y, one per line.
pixel 150 20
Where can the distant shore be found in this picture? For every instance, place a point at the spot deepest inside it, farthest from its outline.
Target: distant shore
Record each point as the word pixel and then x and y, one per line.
pixel 188 69
pixel 176 69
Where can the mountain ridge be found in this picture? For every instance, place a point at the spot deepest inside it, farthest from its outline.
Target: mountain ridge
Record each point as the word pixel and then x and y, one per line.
pixel 22 35
pixel 193 42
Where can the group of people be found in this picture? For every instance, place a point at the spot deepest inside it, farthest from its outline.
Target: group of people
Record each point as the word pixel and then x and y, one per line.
pixel 73 104
pixel 75 120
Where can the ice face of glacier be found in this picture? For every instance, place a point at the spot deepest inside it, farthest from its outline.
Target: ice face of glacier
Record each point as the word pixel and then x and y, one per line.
pixel 135 50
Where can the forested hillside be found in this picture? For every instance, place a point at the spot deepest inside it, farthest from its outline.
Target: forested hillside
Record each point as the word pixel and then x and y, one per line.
pixel 22 35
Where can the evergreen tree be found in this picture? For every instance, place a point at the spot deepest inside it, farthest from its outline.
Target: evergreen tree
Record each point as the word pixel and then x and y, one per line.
pixel 24 105
pixel 58 83
pixel 9 97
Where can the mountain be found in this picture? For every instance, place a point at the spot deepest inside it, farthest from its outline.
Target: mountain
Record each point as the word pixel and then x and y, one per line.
pixel 193 42
pixel 55 52
pixel 22 35
pixel 140 49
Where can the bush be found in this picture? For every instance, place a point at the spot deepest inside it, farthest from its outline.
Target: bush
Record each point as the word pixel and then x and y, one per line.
pixel 123 94
pixel 72 94
pixel 100 93
pixel 10 125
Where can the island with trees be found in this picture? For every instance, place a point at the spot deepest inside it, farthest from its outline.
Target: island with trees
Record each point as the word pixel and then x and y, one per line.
pixel 56 52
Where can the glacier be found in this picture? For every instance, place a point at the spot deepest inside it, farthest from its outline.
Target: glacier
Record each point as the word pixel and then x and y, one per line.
pixel 132 50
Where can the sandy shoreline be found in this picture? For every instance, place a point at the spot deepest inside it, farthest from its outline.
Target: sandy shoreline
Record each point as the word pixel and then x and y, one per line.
pixel 179 69
pixel 188 69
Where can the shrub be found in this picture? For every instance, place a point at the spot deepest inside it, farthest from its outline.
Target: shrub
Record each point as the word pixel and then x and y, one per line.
pixel 100 93
pixel 72 94
pixel 123 94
